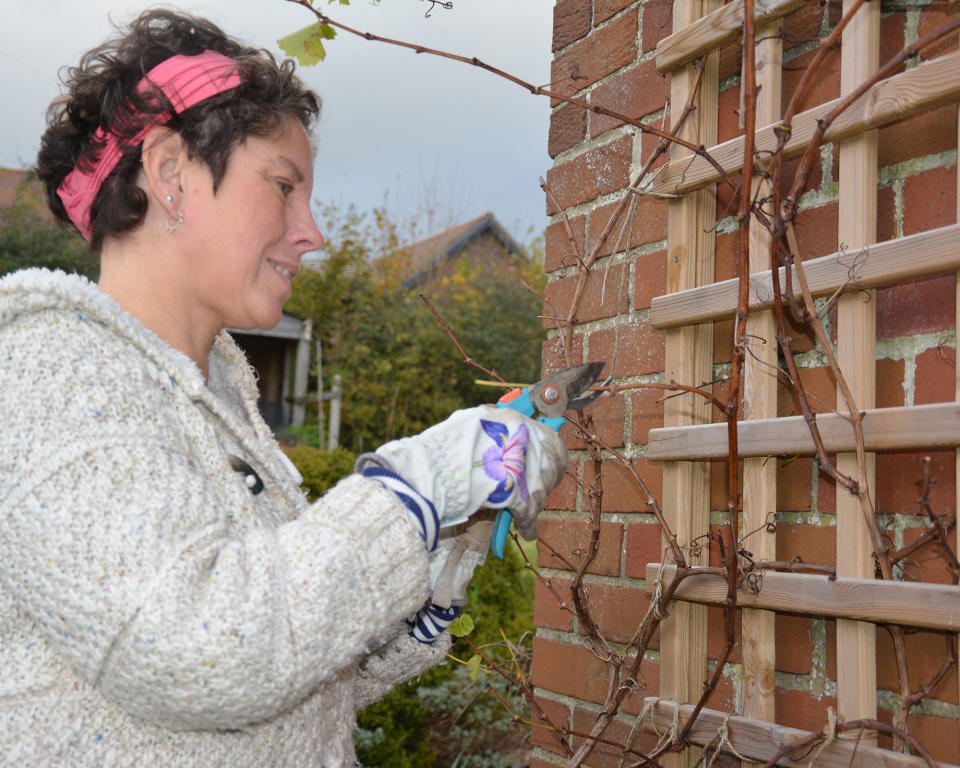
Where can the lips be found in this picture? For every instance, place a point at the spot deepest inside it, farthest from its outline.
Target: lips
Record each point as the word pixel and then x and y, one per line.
pixel 286 271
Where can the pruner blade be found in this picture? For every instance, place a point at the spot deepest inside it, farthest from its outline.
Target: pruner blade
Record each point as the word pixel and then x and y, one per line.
pixel 566 389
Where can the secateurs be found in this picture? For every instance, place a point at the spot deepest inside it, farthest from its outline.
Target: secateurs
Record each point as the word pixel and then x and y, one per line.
pixel 547 400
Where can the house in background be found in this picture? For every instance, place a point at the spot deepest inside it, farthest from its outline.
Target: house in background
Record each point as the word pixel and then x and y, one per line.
pixel 483 241
pixel 281 359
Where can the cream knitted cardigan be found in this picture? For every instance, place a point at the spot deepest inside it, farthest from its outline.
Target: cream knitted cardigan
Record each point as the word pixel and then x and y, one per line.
pixel 153 611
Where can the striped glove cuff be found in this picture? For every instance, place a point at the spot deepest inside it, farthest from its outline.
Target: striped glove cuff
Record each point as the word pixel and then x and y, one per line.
pixel 430 622
pixel 421 509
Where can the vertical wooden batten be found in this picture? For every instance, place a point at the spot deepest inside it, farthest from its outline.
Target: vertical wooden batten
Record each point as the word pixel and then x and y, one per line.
pixel 760 401
pixel 856 355
pixel 689 359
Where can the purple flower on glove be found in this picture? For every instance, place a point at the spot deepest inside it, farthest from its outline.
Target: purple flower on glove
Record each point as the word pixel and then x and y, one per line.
pixel 506 462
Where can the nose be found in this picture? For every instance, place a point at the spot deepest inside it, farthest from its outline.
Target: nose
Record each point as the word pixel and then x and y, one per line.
pixel 304 231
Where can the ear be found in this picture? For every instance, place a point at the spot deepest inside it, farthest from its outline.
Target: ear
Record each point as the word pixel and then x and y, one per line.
pixel 164 159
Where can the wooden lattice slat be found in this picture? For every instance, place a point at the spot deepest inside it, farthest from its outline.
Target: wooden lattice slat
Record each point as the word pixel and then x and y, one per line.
pixel 915 604
pixel 760 741
pixel 936 251
pixel 935 425
pixel 715 29
pixel 898 97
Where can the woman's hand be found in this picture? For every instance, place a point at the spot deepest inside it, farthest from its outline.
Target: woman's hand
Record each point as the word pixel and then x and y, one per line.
pixel 479 458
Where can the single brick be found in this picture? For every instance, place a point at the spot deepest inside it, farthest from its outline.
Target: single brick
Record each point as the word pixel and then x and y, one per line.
pixel 564 496
pixel 886 214
pixel 728 115
pixel 657 23
pixel 547 608
pixel 557 716
pixel 816 230
pixel 890 383
pixel 921 306
pixel 821 390
pixel 617 611
pixel 568 669
pixel 930 200
pixel 900 481
pixel 605 293
pixel 897 142
pixel 650 278
pixel 891 34
pixel 936 376
pixel 604 9
pixel 570 539
pixel 928 563
pixel 596 172
pixel 571 21
pixel 794 647
pixel 803 25
pixel 568 127
pixel 621 491
pixel 793 484
pixel 645 221
pixel 603 51
pixel 644 545
pixel 811 543
pixel 630 350
pixel 826 493
pixel 648 144
pixel 559 250
pixel 925 656
pixel 554 358
pixel 637 92
pixel 607 413
pixel 799 709
pixel 646 413
pixel 823 87
pixel 716 634
pixel 939 736
pixel 932 18
pixel 606 755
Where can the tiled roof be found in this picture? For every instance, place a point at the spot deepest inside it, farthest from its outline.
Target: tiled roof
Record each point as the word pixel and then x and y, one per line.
pixel 426 254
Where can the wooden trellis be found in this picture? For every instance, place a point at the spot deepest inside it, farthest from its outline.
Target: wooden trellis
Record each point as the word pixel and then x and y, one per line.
pixel 688 441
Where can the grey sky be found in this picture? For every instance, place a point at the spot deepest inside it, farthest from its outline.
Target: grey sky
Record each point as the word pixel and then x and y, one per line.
pixel 392 120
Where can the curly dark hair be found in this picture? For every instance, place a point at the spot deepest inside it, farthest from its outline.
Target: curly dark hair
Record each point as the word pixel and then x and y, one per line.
pixel 102 93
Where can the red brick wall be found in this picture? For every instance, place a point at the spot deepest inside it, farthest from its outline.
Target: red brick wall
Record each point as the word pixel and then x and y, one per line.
pixel 603 52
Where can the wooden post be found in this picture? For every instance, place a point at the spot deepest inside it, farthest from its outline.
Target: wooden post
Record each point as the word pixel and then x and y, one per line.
pixel 760 401
pixel 689 359
pixel 856 355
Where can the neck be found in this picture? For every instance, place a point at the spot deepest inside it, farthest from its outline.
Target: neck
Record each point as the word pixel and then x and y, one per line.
pixel 146 283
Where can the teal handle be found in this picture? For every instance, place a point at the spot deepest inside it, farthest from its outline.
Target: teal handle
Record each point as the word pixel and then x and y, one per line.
pixel 522 404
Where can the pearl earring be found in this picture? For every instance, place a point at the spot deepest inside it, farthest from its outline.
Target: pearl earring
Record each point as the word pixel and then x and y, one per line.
pixel 169 198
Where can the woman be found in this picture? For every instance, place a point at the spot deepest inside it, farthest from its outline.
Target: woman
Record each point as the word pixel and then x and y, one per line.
pixel 167 595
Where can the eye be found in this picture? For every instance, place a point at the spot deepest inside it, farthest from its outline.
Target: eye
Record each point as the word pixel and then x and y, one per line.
pixel 285 187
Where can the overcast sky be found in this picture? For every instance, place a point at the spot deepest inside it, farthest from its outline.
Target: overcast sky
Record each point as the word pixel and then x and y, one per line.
pixel 393 121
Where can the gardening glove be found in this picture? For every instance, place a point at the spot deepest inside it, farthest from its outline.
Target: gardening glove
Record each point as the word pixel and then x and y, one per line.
pixel 460 550
pixel 483 457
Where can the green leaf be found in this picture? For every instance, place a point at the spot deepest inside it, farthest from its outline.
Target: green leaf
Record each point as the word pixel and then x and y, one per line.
pixel 326 31
pixel 473 664
pixel 461 626
pixel 306 45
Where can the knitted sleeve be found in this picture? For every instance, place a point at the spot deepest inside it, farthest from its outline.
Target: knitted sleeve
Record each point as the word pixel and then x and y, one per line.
pixel 155 577
pixel 203 628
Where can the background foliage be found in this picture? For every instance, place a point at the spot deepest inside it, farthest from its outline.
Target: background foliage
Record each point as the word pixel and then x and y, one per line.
pixel 401 373
pixel 27 239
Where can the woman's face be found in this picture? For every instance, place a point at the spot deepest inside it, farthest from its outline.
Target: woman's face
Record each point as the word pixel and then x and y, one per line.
pixel 244 243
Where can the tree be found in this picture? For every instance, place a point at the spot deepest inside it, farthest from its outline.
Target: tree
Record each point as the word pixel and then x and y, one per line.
pixel 28 239
pixel 400 371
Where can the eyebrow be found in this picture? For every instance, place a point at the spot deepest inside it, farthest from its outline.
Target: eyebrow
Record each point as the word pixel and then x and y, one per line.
pixel 294 168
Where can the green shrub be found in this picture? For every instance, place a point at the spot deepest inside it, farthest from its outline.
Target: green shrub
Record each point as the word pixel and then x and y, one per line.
pixel 321 469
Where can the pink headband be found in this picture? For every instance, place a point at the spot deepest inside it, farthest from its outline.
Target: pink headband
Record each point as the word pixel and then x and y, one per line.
pixel 185 81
